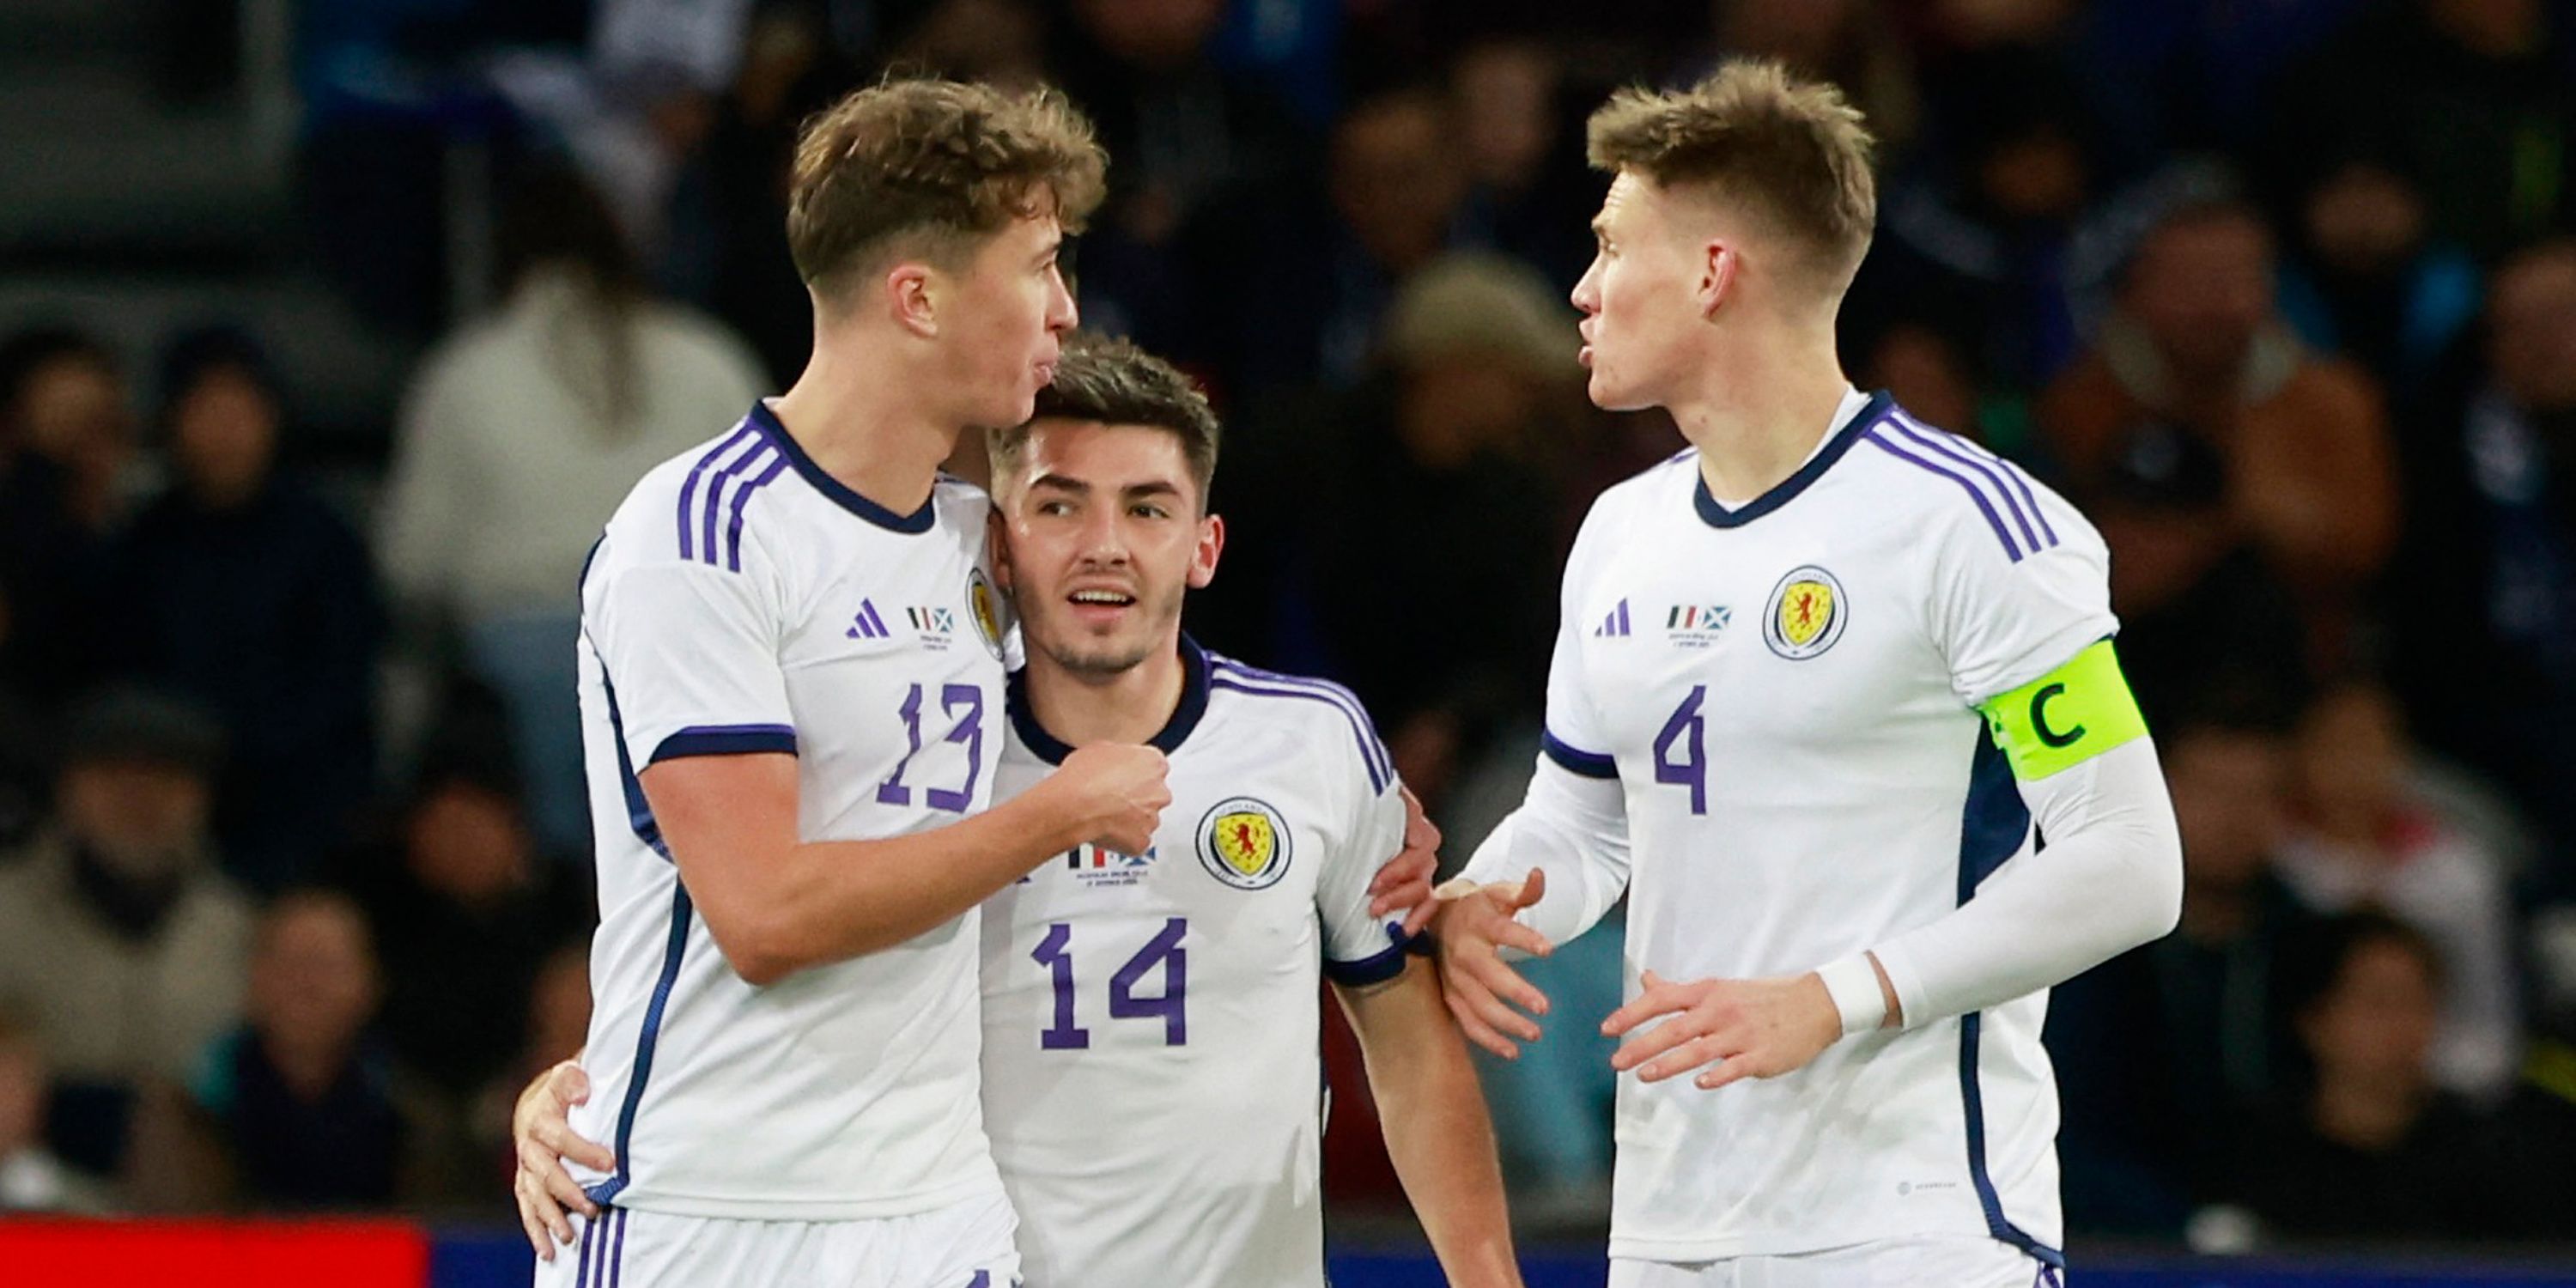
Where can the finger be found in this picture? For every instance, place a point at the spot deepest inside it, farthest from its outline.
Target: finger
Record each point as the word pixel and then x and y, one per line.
pixel 1694 1054
pixel 1533 887
pixel 568 1083
pixel 1421 915
pixel 1512 934
pixel 560 1141
pixel 1409 898
pixel 1496 977
pixel 1478 993
pixel 538 1206
pixel 1420 833
pixel 1657 998
pixel 561 1188
pixel 540 1238
pixel 1645 1046
pixel 1729 1070
pixel 1481 1033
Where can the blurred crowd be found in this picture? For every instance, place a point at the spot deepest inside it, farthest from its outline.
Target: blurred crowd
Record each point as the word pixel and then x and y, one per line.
pixel 293 886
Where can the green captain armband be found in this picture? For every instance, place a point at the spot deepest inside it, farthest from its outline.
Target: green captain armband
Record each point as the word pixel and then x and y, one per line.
pixel 2065 717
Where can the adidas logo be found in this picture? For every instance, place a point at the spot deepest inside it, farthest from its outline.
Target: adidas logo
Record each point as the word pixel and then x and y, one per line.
pixel 1614 626
pixel 866 625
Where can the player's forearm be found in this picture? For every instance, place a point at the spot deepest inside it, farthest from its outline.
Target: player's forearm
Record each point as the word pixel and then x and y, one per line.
pixel 1437 1130
pixel 2110 879
pixel 830 901
pixel 1574 828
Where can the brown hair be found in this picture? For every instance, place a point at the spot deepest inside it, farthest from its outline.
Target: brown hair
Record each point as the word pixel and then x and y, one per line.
pixel 1792 151
pixel 933 165
pixel 1112 382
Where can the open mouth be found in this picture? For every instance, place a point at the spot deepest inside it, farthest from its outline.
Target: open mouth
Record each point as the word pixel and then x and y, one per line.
pixel 1100 605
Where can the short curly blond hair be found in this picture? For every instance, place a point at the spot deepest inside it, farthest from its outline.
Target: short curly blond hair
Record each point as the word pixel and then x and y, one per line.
pixel 1793 152
pixel 929 167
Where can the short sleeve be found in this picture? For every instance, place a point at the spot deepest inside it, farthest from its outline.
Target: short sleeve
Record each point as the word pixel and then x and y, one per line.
pixel 692 659
pixel 1359 948
pixel 2007 608
pixel 1573 737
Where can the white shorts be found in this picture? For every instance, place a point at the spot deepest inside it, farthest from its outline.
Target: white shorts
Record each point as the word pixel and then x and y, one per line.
pixel 964 1245
pixel 1953 1262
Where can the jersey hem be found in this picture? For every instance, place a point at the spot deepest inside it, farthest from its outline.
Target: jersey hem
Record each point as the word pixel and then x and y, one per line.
pixel 791 1208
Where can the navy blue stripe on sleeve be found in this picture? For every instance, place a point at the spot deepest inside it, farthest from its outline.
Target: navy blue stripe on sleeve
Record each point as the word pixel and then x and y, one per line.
pixel 1574 760
pixel 1377 967
pixel 725 740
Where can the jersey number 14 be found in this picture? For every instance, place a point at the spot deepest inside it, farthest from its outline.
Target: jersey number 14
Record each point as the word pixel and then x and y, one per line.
pixel 1055 952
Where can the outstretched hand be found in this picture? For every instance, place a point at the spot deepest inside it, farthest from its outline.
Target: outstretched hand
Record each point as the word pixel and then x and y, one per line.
pixel 1747 1028
pixel 1474 925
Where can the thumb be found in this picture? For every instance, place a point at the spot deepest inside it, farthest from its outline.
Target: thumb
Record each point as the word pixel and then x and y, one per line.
pixel 1652 980
pixel 572 1084
pixel 1533 887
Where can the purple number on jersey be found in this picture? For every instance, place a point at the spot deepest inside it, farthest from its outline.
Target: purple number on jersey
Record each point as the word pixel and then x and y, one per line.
pixel 1692 772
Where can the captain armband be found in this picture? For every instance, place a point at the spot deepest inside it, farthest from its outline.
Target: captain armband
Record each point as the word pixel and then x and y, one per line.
pixel 2065 717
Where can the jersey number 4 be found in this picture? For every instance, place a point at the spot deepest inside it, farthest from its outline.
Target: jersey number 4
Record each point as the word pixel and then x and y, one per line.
pixel 1687 732
pixel 1055 952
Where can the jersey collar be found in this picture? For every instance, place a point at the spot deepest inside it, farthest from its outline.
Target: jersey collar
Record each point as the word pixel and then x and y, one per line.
pixel 1185 717
pixel 1718 516
pixel 834 490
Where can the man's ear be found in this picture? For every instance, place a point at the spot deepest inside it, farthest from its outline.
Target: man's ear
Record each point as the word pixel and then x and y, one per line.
pixel 1718 267
pixel 912 297
pixel 997 541
pixel 1211 546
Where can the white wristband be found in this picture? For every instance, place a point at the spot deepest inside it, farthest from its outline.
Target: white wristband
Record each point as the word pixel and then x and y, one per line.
pixel 1853 984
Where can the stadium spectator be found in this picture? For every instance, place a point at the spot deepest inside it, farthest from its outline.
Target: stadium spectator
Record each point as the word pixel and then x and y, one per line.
pixel 62 400
pixel 1329 256
pixel 464 915
pixel 242 589
pixel 2370 1148
pixel 2485 648
pixel 2196 353
pixel 2166 1048
pixel 520 435
pixel 1185 136
pixel 302 1100
pixel 2368 834
pixel 2473 102
pixel 118 933
pixel 2363 277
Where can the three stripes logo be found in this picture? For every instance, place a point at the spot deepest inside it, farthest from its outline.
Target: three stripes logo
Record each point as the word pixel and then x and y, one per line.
pixel 866 625
pixel 1614 626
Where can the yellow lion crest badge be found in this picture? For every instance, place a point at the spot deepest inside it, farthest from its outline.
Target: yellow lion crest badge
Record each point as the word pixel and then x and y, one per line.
pixel 984 604
pixel 1244 843
pixel 1807 614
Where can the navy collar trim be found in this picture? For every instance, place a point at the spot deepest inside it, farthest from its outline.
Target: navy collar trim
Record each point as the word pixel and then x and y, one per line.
pixel 834 490
pixel 1175 731
pixel 1787 490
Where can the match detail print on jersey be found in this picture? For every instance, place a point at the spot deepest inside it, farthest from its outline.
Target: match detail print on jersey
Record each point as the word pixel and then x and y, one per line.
pixel 2067 716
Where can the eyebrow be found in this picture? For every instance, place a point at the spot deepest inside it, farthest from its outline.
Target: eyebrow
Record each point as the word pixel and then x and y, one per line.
pixel 1601 227
pixel 1067 483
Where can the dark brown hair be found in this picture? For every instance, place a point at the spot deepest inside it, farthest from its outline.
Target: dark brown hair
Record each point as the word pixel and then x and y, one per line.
pixel 1791 151
pixel 932 166
pixel 1112 382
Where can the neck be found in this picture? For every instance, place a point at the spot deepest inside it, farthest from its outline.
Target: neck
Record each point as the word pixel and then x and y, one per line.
pixel 1753 431
pixel 2366 1113
pixel 1081 708
pixel 857 413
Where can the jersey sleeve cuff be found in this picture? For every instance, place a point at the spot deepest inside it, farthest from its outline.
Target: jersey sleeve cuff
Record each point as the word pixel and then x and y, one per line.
pixel 1574 760
pixel 1380 966
pixel 725 740
pixel 1913 1004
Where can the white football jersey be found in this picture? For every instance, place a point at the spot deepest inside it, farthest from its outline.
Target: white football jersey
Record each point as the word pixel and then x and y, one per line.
pixel 1784 692
pixel 743 600
pixel 1152 1077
